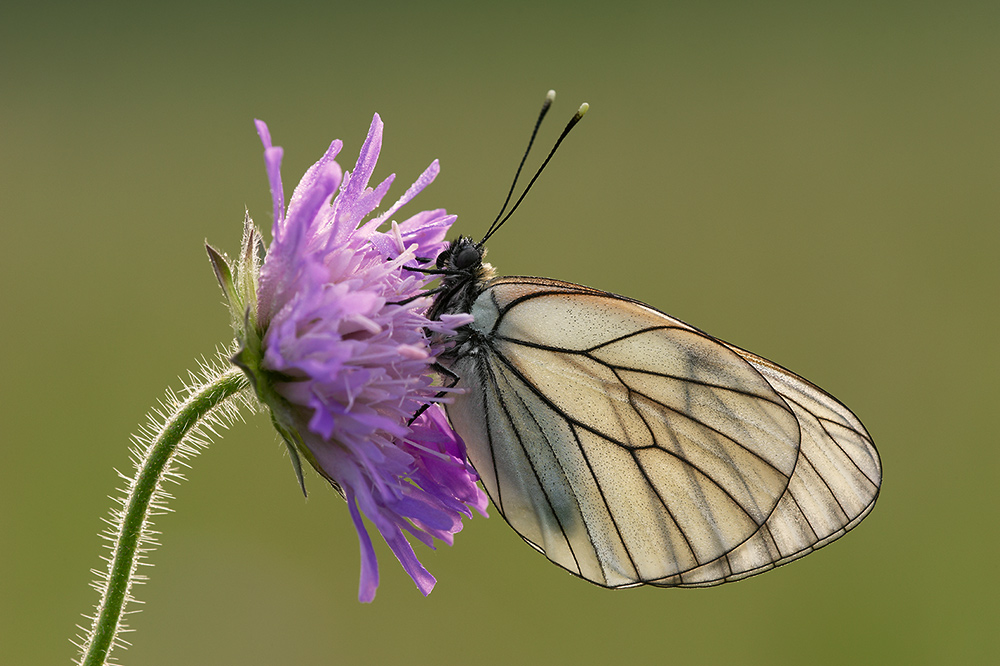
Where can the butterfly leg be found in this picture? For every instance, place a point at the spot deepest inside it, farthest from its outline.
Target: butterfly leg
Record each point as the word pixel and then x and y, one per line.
pixel 442 370
pixel 429 292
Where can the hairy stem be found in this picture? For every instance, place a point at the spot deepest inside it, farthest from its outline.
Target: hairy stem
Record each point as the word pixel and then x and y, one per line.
pixel 176 434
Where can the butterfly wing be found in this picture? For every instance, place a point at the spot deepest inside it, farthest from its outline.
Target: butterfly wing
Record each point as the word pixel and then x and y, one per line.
pixel 632 448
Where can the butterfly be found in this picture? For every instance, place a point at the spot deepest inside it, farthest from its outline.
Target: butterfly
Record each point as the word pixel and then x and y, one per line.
pixel 632 448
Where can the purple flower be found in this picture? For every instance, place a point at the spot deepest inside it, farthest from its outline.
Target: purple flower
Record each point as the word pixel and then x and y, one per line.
pixel 343 361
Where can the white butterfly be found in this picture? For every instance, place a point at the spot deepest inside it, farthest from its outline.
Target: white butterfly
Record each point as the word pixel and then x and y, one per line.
pixel 632 448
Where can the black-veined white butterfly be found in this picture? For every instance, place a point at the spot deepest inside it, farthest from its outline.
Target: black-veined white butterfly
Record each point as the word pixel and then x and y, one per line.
pixel 632 448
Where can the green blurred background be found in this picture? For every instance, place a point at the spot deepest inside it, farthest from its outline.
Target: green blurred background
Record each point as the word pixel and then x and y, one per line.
pixel 817 185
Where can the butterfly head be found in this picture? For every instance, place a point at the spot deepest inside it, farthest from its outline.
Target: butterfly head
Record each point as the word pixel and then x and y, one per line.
pixel 463 260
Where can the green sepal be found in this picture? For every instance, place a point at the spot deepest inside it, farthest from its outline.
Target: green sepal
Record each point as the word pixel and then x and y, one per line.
pixel 248 270
pixel 223 273
pixel 292 444
pixel 240 285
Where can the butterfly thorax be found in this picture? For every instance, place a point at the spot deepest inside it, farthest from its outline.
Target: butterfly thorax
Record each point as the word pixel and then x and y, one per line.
pixel 465 277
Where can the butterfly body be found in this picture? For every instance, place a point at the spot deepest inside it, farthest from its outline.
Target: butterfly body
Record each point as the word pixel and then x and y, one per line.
pixel 632 448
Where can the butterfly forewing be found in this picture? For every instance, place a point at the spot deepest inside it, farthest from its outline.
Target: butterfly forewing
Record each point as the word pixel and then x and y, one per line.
pixel 632 448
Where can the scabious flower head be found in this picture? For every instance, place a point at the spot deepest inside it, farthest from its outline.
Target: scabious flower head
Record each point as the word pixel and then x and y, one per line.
pixel 343 360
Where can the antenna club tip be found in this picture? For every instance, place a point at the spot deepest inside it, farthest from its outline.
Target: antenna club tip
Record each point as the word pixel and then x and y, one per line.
pixel 582 111
pixel 550 95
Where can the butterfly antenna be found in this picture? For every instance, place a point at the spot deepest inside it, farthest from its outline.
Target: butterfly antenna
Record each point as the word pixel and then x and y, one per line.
pixel 570 125
pixel 549 98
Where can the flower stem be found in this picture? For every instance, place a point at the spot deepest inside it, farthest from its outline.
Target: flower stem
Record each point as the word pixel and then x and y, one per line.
pixel 177 434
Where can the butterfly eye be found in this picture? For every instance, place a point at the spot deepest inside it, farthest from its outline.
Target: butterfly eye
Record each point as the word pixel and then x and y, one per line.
pixel 443 258
pixel 467 257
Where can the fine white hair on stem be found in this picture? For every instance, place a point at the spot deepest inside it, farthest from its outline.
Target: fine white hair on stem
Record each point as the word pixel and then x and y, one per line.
pixel 197 435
